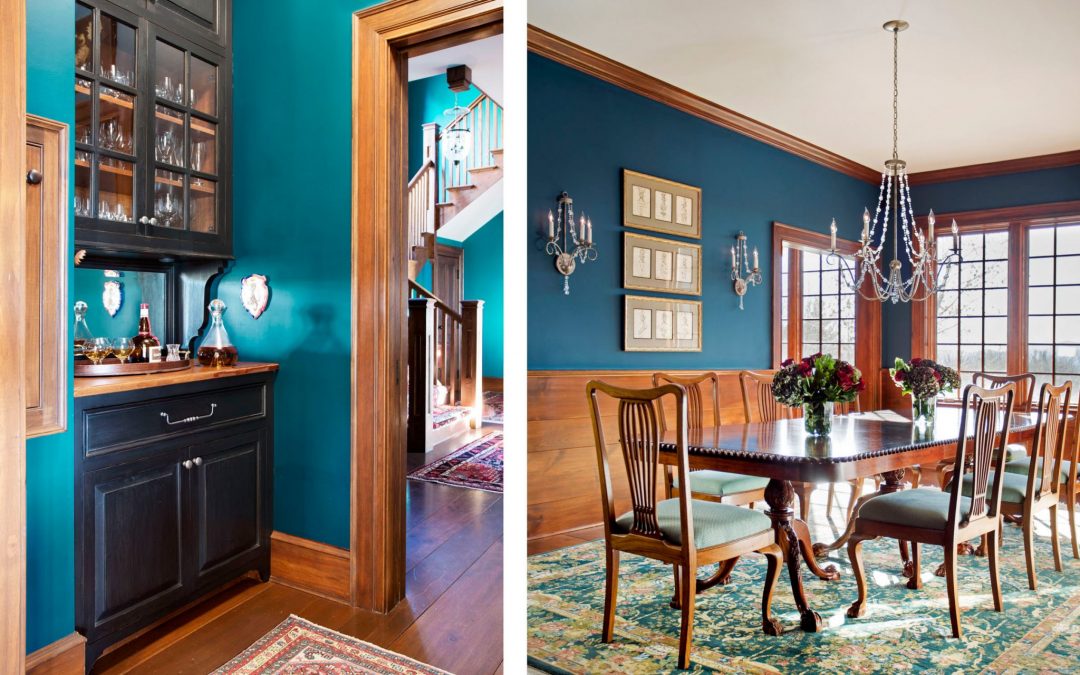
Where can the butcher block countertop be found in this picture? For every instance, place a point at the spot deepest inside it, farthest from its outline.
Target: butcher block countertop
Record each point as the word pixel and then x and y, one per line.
pixel 93 386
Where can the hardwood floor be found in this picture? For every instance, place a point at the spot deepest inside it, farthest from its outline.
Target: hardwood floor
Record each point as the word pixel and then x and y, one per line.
pixel 451 617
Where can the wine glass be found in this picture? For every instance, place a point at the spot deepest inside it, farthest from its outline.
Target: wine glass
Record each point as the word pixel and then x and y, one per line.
pixel 98 350
pixel 123 347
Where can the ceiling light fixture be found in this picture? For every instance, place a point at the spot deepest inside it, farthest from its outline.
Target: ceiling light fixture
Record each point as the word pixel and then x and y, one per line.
pixel 928 274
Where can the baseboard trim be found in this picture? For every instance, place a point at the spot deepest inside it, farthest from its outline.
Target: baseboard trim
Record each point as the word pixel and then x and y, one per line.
pixel 66 656
pixel 493 384
pixel 310 566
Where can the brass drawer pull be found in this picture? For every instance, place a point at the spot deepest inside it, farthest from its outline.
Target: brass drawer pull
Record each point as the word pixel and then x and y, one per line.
pixel 188 420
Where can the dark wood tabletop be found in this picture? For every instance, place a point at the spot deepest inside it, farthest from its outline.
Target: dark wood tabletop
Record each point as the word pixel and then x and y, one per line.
pixel 861 444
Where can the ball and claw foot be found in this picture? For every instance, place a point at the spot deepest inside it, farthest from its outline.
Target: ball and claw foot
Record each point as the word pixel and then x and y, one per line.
pixel 772 627
pixel 821 550
pixel 856 610
pixel 914 583
pixel 909 570
pixel 831 573
pixel 810 621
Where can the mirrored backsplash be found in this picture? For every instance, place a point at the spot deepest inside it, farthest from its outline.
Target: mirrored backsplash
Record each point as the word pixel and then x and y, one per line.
pixel 134 288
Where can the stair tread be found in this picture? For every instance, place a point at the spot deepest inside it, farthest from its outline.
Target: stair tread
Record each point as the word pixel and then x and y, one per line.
pixel 460 187
pixel 492 167
pixel 496 151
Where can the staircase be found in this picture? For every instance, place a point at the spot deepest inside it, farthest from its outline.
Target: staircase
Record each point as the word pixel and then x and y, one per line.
pixel 442 189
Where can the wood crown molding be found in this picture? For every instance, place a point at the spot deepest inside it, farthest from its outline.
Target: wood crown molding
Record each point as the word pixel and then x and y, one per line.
pixel 589 62
pixel 66 655
pixel 1052 161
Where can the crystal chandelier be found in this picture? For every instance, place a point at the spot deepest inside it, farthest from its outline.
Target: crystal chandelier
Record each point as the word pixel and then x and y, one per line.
pixel 928 274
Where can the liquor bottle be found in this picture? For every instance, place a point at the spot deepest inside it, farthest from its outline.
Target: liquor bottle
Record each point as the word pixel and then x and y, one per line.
pixel 145 338
pixel 216 349
pixel 81 334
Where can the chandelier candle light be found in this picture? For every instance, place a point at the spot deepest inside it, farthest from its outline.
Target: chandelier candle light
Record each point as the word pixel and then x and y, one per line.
pixel 928 275
pixel 742 273
pixel 577 242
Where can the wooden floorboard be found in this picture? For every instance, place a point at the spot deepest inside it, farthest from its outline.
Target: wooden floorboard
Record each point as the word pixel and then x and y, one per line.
pixel 451 617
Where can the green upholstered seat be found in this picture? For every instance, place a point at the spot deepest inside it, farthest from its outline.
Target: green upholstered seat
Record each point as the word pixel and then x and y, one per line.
pixel 923 507
pixel 714 524
pixel 1013 491
pixel 1015 451
pixel 723 483
pixel 1023 465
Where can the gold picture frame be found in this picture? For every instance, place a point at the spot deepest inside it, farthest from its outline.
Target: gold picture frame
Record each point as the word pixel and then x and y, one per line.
pixel 661 205
pixel 661 324
pixel 664 265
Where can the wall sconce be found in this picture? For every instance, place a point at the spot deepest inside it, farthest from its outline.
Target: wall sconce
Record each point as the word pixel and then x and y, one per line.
pixel 742 273
pixel 562 225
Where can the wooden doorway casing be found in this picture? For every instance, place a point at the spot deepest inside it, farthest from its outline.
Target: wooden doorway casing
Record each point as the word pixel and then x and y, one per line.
pixel 12 294
pixel 384 37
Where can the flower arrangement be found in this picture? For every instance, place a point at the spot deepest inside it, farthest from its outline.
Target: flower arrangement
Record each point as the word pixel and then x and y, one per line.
pixel 815 383
pixel 923 380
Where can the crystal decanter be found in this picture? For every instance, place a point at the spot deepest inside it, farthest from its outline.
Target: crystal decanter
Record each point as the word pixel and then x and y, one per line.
pixel 217 350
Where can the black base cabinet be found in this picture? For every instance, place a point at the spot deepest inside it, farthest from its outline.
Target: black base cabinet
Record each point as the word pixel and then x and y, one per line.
pixel 172 498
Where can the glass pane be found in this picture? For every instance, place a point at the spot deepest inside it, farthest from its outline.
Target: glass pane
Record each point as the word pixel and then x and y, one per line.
pixel 847 353
pixel 971 275
pixel 203 205
pixel 997 274
pixel 830 307
pixel 203 146
pixel 1068 270
pixel 947 330
pixel 811 332
pixel 1041 271
pixel 830 331
pixel 1039 358
pixel 996 329
pixel 1067 360
pixel 811 261
pixel 1067 330
pixel 971 246
pixel 971 303
pixel 811 307
pixel 84 105
pixel 1041 241
pixel 847 331
pixel 830 282
pixel 83 163
pixel 169 73
pixel 946 356
pixel 1068 239
pixel 116 189
pixel 1041 300
pixel 168 136
pixel 995 359
pixel 84 38
pixel 970 358
pixel 1041 329
pixel 847 306
pixel 996 302
pixel 203 86
pixel 971 331
pixel 829 348
pixel 169 198
pixel 1068 299
pixel 117 51
pixel 997 246
pixel 811 283
pixel 948 303
pixel 116 129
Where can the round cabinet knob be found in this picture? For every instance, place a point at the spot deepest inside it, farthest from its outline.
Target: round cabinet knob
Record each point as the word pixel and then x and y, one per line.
pixel 144 220
pixel 33 177
pixel 187 464
pixel 153 221
pixel 198 461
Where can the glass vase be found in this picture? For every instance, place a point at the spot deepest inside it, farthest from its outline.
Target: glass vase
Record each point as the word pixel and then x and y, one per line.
pixel 817 418
pixel 923 410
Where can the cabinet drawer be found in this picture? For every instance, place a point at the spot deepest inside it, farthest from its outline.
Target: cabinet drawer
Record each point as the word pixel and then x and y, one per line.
pixel 113 428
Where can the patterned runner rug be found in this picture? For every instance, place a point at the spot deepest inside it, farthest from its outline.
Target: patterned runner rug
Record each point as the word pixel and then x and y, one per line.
pixel 902 630
pixel 493 407
pixel 298 647
pixel 478 465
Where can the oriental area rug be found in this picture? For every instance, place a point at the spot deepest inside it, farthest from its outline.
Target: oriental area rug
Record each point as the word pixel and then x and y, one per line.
pixel 298 647
pixel 478 465
pixel 493 407
pixel 902 630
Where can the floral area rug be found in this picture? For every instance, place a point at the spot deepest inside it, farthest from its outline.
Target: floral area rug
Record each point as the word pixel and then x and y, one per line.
pixel 902 630
pixel 447 414
pixel 493 407
pixel 298 647
pixel 478 465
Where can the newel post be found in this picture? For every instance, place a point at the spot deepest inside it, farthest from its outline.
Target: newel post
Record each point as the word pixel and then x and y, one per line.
pixel 472 358
pixel 421 372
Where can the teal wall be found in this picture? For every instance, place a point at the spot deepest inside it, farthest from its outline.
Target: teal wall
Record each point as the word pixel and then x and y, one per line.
pixel 484 281
pixel 138 287
pixel 291 222
pixel 429 98
pixel 50 460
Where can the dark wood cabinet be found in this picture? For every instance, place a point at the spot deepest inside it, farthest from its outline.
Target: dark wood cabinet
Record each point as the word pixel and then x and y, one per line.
pixel 153 100
pixel 173 497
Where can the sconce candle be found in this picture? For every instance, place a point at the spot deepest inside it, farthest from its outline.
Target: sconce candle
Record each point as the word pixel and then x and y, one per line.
pixel 573 247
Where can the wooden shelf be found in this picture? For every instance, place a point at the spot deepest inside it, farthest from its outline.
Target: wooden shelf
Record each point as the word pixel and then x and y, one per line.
pixel 194 188
pixel 200 126
pixel 123 103
pixel 106 168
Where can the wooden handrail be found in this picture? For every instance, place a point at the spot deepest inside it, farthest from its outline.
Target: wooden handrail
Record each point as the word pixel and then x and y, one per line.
pixel 420 290
pixel 483 95
pixel 420 171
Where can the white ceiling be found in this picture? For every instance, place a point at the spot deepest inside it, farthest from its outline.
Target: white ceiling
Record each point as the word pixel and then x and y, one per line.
pixel 980 80
pixel 483 57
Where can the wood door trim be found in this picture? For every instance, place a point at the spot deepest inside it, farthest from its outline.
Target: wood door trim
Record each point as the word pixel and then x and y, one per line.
pixel 382 38
pixel 575 56
pixel 12 311
pixel 1038 162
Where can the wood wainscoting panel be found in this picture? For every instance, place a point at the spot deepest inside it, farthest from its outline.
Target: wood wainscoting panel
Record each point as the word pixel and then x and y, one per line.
pixel 46 276
pixel 310 566
pixel 66 656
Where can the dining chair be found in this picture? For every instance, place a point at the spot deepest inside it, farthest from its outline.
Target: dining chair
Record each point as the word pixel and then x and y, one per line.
pixel 1025 390
pixel 715 486
pixel 681 531
pixel 1029 490
pixel 945 518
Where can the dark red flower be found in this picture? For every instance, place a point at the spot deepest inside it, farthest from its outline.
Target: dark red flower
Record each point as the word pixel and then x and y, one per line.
pixel 845 376
pixel 900 376
pixel 787 363
pixel 805 367
pixel 916 361
pixel 937 375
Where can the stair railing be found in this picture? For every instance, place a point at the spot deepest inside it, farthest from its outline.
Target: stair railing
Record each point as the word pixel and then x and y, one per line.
pixel 420 206
pixel 484 118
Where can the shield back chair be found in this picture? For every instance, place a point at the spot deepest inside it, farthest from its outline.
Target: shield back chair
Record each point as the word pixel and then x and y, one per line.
pixel 1030 491
pixel 681 531
pixel 945 518
pixel 1025 391
pixel 714 486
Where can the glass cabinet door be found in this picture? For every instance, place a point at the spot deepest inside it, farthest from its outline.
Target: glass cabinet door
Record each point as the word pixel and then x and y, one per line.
pixel 107 105
pixel 185 137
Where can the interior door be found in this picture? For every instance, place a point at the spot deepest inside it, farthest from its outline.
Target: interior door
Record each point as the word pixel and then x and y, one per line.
pixel 449 275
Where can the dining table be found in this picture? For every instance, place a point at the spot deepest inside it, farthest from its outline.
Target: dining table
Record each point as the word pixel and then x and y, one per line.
pixel 882 443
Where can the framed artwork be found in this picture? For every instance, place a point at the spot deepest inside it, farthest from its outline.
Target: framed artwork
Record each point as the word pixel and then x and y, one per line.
pixel 661 325
pixel 651 203
pixel 665 265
